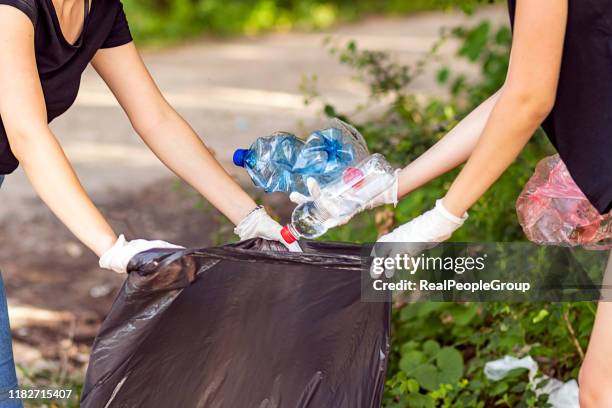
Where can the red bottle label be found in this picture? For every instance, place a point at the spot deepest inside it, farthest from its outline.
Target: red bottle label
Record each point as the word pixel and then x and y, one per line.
pixel 353 177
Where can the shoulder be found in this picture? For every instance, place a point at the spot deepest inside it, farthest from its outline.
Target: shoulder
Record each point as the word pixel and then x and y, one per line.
pixel 28 7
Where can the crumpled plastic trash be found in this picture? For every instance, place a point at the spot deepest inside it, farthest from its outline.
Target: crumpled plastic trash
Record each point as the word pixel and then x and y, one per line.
pixel 553 211
pixel 560 394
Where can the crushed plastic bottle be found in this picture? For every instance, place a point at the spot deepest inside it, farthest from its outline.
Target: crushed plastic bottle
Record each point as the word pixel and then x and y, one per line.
pixel 340 199
pixel 554 211
pixel 282 162
pixel 269 162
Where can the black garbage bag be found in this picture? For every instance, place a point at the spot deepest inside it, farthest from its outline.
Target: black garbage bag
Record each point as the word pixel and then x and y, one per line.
pixel 238 326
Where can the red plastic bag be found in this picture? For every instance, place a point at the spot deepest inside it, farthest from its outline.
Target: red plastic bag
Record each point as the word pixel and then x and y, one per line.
pixel 553 211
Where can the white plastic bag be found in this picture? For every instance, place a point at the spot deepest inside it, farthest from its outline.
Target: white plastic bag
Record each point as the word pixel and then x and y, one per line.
pixel 560 395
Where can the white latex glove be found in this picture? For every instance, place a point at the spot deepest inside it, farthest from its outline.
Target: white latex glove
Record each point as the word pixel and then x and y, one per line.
pixel 118 257
pixel 258 224
pixel 315 192
pixel 389 196
pixel 422 233
pixel 436 225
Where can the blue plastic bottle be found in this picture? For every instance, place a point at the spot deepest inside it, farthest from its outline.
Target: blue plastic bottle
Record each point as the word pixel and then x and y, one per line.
pixel 269 163
pixel 282 162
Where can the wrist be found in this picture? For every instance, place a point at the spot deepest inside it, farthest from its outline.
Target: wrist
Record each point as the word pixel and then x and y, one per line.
pixel 389 196
pixel 452 212
pixel 103 243
pixel 242 211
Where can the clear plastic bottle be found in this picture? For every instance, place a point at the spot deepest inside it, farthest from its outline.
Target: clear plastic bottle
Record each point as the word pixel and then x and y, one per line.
pixel 340 199
pixel 282 162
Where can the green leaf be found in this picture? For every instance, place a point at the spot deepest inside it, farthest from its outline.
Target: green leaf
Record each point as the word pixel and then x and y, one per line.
pixel 517 372
pixel 427 308
pixel 443 75
pixel 431 347
pixel 411 360
pixel 419 401
pixel 330 111
pixel 412 386
pixel 542 314
pixel 427 376
pixel 409 346
pixel 498 388
pixel 463 314
pixel 450 363
pixel 475 41
pixel 448 369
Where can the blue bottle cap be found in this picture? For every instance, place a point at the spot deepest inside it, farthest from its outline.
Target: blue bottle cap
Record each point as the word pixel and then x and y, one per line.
pixel 240 156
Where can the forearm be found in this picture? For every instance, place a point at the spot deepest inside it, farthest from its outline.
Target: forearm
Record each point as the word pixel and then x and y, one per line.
pixel 510 126
pixel 177 145
pixel 54 180
pixel 451 151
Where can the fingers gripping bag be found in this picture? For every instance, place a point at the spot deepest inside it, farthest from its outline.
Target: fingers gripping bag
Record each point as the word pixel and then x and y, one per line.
pixel 554 211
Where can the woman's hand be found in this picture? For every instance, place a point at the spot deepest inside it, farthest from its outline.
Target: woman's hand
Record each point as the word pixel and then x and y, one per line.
pixel 258 224
pixel 389 196
pixel 436 225
pixel 119 255
pixel 423 232
pixel 314 194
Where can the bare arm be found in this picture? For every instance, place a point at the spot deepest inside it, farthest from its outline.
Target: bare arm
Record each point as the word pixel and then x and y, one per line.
pixel 451 151
pixel 167 134
pixel 24 116
pixel 526 99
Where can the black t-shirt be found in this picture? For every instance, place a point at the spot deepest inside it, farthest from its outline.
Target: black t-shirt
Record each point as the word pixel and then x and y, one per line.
pixel 580 124
pixel 60 64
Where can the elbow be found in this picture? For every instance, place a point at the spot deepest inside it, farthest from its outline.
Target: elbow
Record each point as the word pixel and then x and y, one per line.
pixel 24 137
pixel 533 104
pixel 152 118
pixel 595 388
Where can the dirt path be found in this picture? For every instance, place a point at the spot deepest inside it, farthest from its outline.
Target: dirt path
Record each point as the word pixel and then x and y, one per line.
pixel 231 92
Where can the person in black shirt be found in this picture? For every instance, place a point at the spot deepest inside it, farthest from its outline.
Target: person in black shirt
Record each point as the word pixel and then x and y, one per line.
pixel 44 47
pixel 560 77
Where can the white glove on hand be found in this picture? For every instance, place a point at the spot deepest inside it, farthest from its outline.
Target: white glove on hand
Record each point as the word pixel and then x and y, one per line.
pixel 315 192
pixel 422 233
pixel 118 257
pixel 258 224
pixel 389 196
pixel 436 225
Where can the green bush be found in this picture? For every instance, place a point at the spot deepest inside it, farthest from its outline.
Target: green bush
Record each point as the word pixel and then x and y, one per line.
pixel 159 21
pixel 439 349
